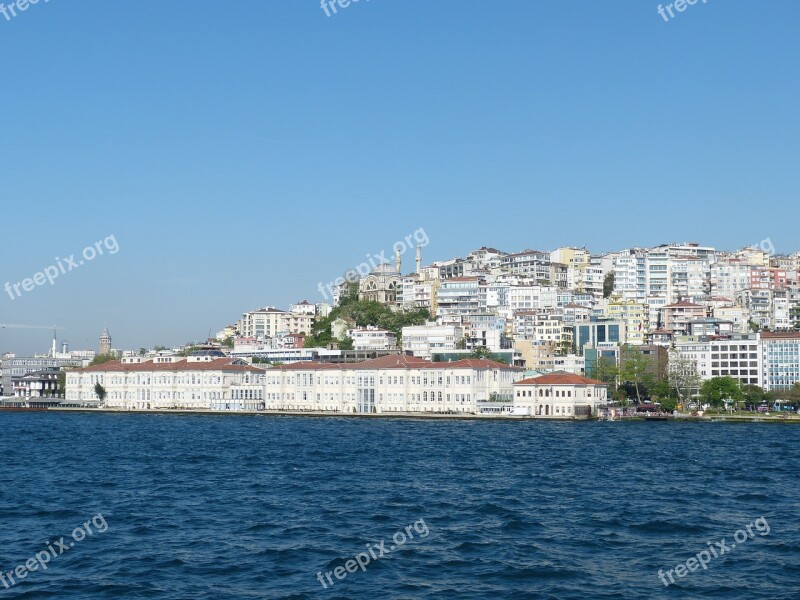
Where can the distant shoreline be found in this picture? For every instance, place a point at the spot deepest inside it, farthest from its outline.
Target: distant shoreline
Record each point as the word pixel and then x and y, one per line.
pixel 794 419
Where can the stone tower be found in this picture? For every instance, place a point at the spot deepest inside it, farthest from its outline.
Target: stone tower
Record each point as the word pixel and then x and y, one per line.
pixel 105 342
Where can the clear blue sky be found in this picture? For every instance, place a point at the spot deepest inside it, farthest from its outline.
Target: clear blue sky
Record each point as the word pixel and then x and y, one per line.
pixel 241 152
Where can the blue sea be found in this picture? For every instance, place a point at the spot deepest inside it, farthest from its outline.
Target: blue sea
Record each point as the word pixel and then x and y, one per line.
pixel 242 507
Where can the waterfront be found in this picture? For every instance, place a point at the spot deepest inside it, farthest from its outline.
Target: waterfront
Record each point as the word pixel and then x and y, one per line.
pixel 208 507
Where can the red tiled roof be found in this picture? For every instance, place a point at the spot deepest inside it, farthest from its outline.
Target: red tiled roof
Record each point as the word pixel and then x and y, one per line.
pixel 218 364
pixel 560 378
pixel 780 334
pixel 398 361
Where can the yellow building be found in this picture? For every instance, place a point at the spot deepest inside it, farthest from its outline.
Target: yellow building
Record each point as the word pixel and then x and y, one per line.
pixel 633 315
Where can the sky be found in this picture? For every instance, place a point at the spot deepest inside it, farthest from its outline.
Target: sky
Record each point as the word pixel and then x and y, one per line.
pixel 237 154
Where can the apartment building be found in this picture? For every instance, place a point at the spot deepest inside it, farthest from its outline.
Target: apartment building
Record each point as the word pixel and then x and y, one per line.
pixel 372 338
pixel 676 317
pixel 461 296
pixel 421 340
pixel 780 358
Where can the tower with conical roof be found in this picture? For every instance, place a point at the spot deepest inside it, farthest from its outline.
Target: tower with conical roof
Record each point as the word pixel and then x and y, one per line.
pixel 105 342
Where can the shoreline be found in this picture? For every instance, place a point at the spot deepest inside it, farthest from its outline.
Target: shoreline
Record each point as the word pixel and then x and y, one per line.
pixel 724 418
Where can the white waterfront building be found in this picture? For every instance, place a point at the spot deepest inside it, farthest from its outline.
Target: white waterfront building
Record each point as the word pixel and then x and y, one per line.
pixel 394 383
pixel 170 382
pixel 559 395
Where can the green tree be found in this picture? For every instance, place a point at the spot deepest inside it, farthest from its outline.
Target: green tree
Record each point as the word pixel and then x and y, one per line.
pixel 142 351
pixel 61 383
pixel 100 391
pixel 635 369
pixel 753 394
pixel 791 395
pixel 605 369
pixel 228 342
pixel 608 284
pixel 682 376
pixel 663 393
pixel 346 343
pixel 480 352
pixel 717 389
pixel 102 358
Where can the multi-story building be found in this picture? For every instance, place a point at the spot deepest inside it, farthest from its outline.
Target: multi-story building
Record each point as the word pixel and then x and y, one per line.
pixel 780 359
pixel 690 277
pixel 559 395
pixel 530 263
pixel 170 382
pixel 630 276
pixel 270 322
pixel 634 316
pixel 421 340
pixel 593 278
pixel 598 332
pixel 397 383
pixel 461 296
pixel 267 322
pixel 738 357
pixel 39 384
pixel 532 297
pixel 729 277
pixel 758 304
pixel 676 317
pixel 767 278
pixel 372 338
pixel 19 366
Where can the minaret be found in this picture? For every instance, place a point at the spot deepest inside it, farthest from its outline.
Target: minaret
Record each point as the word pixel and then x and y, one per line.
pixel 419 259
pixel 398 263
pixel 105 342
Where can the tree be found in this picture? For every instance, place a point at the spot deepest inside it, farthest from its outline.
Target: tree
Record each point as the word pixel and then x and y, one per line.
pixel 682 376
pixel 160 348
pixel 363 313
pixel 605 369
pixel 717 389
pixel 754 395
pixel 61 383
pixel 142 351
pixel 662 391
pixel 608 284
pixel 102 358
pixel 100 391
pixel 791 395
pixel 635 369
pixel 346 343
pixel 228 342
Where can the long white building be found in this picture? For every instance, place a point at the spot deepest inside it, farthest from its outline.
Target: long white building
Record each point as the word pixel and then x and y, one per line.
pixel 170 382
pixel 395 383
